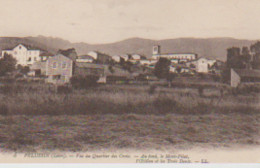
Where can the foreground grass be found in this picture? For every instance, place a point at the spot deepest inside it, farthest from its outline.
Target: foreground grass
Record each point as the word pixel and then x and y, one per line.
pixel 125 100
pixel 134 131
pixel 113 117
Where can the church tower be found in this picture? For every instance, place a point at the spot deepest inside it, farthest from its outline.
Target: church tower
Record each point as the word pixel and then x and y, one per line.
pixel 156 50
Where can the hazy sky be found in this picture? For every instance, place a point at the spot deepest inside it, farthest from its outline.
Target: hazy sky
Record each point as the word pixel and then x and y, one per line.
pixel 103 21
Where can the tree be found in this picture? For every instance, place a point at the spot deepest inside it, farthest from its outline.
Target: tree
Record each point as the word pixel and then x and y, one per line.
pixel 178 69
pixel 162 68
pixel 234 59
pixel 192 66
pixel 246 56
pixel 7 64
pixel 110 67
pixel 169 78
pixel 255 48
pixel 23 69
pixel 126 65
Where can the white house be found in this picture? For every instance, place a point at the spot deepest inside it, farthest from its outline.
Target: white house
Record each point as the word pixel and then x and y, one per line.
pixel 23 54
pixel 136 57
pixel 126 57
pixel 116 58
pixel 100 57
pixel 174 61
pixel 93 54
pixel 201 65
pixel 173 69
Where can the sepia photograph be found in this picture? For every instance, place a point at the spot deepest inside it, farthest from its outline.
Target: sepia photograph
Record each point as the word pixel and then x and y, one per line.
pixel 130 81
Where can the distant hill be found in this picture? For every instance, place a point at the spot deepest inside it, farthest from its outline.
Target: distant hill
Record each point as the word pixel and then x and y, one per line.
pixel 208 47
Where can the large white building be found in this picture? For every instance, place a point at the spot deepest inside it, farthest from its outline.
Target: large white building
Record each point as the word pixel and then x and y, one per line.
pixel 180 57
pixel 201 65
pixel 24 55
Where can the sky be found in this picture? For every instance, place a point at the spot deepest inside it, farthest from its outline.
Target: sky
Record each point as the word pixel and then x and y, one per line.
pixel 106 21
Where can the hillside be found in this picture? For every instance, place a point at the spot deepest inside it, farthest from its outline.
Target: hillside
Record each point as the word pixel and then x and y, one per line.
pixel 210 47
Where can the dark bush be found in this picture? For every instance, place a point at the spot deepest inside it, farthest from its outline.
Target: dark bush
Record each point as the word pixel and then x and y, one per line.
pixel 152 89
pixel 19 75
pixel 7 80
pixel 64 89
pixel 3 109
pixel 200 90
pixel 202 76
pixel 216 78
pixel 165 105
pixel 117 79
pixel 84 82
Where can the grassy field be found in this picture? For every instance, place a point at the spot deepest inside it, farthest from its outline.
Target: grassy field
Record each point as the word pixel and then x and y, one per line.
pixel 35 117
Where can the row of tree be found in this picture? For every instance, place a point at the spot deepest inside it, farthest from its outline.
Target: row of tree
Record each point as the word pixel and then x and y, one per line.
pixel 245 58
pixel 7 64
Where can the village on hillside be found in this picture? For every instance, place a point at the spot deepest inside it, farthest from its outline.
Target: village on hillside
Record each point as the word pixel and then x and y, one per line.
pixel 58 68
pixel 130 81
pixel 63 101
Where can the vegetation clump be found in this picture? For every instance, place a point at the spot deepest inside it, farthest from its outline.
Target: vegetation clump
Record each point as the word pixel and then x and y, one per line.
pixel 84 82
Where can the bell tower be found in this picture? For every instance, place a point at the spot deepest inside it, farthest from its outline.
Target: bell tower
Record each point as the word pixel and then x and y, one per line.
pixel 156 50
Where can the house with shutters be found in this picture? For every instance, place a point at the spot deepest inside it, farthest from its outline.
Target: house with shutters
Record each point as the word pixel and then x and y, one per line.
pixel 59 69
pixel 25 55
pixel 201 65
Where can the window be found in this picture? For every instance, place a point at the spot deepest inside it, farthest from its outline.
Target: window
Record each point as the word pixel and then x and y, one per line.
pixel 29 59
pixel 54 65
pixel 20 47
pixel 64 65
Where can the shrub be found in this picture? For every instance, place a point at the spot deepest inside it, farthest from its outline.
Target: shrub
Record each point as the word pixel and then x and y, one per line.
pixel 202 76
pixel 216 78
pixel 84 82
pixel 200 90
pixel 3 109
pixel 165 105
pixel 64 89
pixel 152 89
